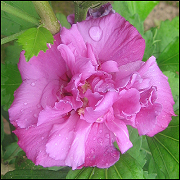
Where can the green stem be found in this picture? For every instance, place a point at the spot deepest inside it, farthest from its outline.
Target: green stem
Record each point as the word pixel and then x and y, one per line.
pixel 17 12
pixel 11 38
pixel 47 15
pixel 80 13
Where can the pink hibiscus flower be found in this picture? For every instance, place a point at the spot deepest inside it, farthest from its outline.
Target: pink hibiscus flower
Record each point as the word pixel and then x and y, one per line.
pixel 77 98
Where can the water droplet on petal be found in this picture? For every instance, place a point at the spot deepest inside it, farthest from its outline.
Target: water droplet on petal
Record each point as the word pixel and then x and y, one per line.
pixel 107 164
pixel 92 151
pixel 25 119
pixel 100 131
pixel 59 135
pixel 35 115
pixel 25 103
pixel 94 138
pixel 33 84
pixel 55 144
pixel 38 106
pixel 42 138
pixel 95 33
pixel 66 138
pixel 100 141
pixel 107 135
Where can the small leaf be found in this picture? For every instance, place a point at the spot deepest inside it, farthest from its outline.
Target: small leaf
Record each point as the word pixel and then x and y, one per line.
pixel 165 149
pixel 169 58
pixel 63 20
pixel 34 40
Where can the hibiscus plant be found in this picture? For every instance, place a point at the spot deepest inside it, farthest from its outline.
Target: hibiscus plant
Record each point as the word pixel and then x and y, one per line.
pixel 89 94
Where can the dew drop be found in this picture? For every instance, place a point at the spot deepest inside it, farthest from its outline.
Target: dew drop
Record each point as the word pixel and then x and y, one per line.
pixel 33 84
pixel 25 103
pixel 59 135
pixel 35 115
pixel 42 138
pixel 100 131
pixel 94 138
pixel 100 141
pixel 92 151
pixel 107 164
pixel 55 144
pixel 107 135
pixel 66 138
pixel 95 33
pixel 25 119
pixel 38 106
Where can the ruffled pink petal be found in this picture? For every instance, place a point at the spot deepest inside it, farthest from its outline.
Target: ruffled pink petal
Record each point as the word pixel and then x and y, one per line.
pixel 68 56
pixel 49 65
pixel 91 115
pixel 49 113
pixel 99 148
pixel 120 131
pixel 151 71
pixel 125 72
pixel 50 91
pixel 146 119
pixel 128 103
pixel 26 106
pixel 72 36
pixel 67 141
pixel 33 141
pixel 119 41
pixel 110 66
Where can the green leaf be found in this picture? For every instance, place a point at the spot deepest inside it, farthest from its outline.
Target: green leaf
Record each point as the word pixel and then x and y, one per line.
pixel 11 24
pixel 2 130
pixel 129 8
pixel 169 58
pixel 136 152
pixel 165 149
pixel 173 80
pixel 10 81
pixel 126 168
pixel 168 31
pixel 148 36
pixel 22 162
pixel 63 20
pixel 149 175
pixel 11 152
pixel 35 174
pixel 34 40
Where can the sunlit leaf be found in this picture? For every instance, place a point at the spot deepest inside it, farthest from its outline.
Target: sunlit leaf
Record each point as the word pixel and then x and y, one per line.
pixel 169 58
pixel 129 8
pixel 11 24
pixel 148 36
pixel 165 149
pixel 34 40
pixel 168 31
